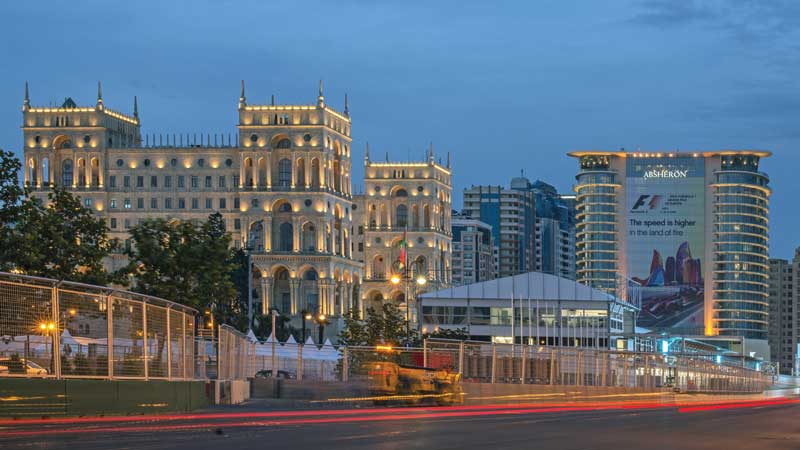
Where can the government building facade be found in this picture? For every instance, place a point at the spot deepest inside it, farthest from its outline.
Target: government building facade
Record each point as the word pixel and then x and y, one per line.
pixel 282 185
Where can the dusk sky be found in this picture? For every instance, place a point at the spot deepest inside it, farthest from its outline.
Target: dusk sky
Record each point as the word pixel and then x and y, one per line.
pixel 503 86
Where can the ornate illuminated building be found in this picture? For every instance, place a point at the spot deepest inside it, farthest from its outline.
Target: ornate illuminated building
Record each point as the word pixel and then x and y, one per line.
pixel 689 229
pixel 410 199
pixel 282 185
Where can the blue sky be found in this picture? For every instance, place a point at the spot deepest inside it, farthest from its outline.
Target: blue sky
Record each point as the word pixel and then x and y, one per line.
pixel 504 86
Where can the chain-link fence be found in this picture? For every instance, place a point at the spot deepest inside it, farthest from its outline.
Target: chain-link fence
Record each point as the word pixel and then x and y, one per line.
pixel 72 330
pixel 566 366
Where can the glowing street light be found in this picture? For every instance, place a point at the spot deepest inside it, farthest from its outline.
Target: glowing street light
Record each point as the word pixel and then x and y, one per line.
pixel 395 279
pixel 421 280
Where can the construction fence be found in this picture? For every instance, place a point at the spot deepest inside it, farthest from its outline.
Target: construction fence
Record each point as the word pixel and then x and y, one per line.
pixel 571 366
pixel 71 330
pixel 241 357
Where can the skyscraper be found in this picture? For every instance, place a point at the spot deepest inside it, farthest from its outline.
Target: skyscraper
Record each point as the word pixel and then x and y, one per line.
pixel 784 317
pixel 533 227
pixel 689 229
pixel 473 251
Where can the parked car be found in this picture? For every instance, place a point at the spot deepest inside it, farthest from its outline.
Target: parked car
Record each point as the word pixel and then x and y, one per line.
pixel 31 368
pixel 282 374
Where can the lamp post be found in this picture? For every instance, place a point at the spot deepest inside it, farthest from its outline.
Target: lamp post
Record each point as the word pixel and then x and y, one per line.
pixel 305 316
pixel 322 321
pixel 402 273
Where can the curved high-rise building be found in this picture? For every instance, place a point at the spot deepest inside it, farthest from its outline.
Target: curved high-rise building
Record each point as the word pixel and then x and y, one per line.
pixel 690 229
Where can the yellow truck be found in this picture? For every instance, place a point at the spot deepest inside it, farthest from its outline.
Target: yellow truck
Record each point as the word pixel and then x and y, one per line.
pixel 389 381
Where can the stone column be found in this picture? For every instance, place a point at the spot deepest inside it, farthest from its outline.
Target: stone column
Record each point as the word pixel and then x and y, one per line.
pixel 342 250
pixel 340 289
pixel 241 171
pixel 74 169
pixel 294 172
pixel 320 225
pixel 255 172
pixel 307 169
pixel 295 234
pixel 331 300
pixel 267 234
pixel 266 294
pixel 294 285
pixel 268 168
pixel 322 285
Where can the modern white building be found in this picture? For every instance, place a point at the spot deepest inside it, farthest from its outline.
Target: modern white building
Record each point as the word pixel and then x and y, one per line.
pixel 548 310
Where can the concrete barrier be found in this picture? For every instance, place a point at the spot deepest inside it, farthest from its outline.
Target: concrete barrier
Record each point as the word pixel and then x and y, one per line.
pixel 30 397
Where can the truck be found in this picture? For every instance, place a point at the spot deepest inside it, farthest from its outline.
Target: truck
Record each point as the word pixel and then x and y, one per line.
pixel 390 381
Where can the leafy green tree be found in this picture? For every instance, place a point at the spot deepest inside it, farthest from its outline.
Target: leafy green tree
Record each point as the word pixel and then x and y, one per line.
pixel 187 264
pixel 61 240
pixel 386 326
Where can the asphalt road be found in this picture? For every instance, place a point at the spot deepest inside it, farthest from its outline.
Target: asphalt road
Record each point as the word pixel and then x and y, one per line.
pixel 758 425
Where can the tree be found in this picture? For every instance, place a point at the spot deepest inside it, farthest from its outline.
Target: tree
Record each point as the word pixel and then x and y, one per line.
pixel 386 326
pixel 187 264
pixel 460 334
pixel 61 240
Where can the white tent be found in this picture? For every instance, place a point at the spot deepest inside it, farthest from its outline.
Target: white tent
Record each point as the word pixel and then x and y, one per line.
pixel 327 352
pixel 310 350
pixel 251 336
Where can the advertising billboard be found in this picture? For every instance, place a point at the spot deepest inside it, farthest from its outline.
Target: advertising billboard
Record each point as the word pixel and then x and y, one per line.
pixel 665 240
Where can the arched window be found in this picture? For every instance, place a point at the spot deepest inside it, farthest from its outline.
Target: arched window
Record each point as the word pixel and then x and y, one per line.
pixel 301 172
pixel 286 235
pixel 282 291
pixel 32 171
pixel 315 180
pixel 372 216
pixel 285 207
pixel 426 211
pixel 310 290
pixel 309 243
pixel 66 173
pixel 262 172
pixel 46 171
pixel 401 193
pixel 402 216
pixel 414 216
pixel 255 239
pixel 285 172
pixel 248 172
pixel 81 172
pixel 95 172
pixel 284 143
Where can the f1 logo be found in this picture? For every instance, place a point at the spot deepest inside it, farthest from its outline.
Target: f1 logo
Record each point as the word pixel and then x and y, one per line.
pixel 643 200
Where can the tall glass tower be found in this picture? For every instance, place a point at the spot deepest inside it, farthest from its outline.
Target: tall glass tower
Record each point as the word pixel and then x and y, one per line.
pixel 689 229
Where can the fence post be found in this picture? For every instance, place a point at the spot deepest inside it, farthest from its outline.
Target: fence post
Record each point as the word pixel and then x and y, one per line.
pixel 552 367
pixel 183 344
pixel 54 339
pixel 299 362
pixel 494 362
pixel 346 364
pixel 461 358
pixel 110 336
pixel 605 367
pixel 144 341
pixel 579 369
pixel 523 369
pixel 219 353
pixel 425 352
pixel 647 377
pixel 169 347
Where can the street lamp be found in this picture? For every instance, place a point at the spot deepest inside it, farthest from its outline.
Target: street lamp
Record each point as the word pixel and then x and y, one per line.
pixel 322 321
pixel 305 316
pixel 401 273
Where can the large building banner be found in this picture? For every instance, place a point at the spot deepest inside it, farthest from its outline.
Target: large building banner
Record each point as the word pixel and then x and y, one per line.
pixel 665 242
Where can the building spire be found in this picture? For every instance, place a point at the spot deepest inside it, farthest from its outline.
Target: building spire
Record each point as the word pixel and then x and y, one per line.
pixel 366 158
pixel 272 101
pixel 135 107
pixel 430 153
pixel 448 160
pixel 346 105
pixel 27 103
pixel 242 99
pixel 321 98
pixel 99 95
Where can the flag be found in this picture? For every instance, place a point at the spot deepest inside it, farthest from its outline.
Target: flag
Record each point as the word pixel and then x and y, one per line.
pixel 403 245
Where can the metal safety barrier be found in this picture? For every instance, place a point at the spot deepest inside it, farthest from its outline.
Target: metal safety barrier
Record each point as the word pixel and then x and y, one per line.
pixel 71 330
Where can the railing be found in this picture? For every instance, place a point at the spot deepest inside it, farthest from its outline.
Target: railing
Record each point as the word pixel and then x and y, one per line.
pixel 71 330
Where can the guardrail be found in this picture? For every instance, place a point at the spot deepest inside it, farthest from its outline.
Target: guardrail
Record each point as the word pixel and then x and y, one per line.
pixel 62 329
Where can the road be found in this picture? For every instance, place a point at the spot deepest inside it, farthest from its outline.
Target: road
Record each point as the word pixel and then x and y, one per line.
pixel 762 425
